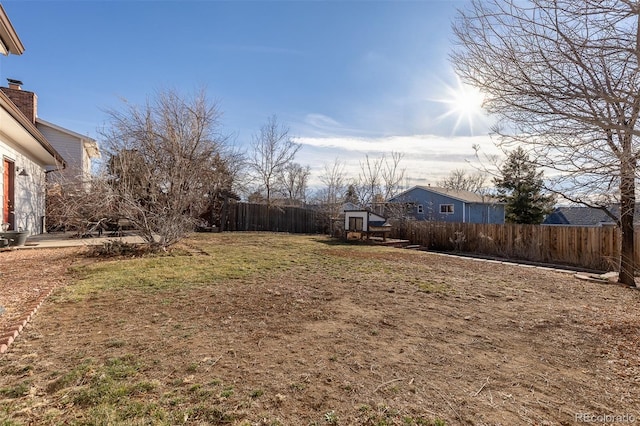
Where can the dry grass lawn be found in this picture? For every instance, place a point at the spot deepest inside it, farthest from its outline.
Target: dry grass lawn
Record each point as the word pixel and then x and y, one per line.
pixel 269 329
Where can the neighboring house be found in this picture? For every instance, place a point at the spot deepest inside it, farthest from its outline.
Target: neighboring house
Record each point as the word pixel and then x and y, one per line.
pixel 448 205
pixel 77 150
pixel 349 206
pixel 584 216
pixel 26 153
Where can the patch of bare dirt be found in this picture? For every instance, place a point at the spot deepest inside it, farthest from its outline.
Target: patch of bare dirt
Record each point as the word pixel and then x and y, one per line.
pixel 469 342
pixel 26 276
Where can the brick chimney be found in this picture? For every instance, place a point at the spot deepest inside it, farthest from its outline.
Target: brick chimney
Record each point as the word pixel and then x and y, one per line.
pixel 27 102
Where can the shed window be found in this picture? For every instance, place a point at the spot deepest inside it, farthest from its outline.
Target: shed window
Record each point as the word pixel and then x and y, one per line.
pixel 355 224
pixel 446 208
pixel 420 209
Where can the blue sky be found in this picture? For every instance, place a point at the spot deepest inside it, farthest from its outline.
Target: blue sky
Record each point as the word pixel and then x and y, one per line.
pixel 348 77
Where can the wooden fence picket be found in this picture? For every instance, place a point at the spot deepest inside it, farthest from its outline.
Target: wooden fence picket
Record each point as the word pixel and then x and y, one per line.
pixel 596 248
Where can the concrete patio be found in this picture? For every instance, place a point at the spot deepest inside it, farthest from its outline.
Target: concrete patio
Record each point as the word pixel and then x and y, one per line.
pixel 70 239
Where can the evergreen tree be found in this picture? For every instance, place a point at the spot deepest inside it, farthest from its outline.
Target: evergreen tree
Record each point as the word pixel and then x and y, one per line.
pixel 520 187
pixel 351 195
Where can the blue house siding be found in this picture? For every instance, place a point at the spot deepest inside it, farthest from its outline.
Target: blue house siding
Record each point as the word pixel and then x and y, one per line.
pixel 432 209
pixel 431 203
pixel 427 205
pixel 484 213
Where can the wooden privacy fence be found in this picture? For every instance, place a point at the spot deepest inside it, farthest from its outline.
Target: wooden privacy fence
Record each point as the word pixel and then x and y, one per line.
pixel 260 217
pixel 596 248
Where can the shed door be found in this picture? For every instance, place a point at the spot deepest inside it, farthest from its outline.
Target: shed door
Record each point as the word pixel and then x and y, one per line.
pixel 355 224
pixel 8 191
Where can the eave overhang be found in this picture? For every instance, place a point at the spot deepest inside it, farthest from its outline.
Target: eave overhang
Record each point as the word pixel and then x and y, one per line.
pixel 35 143
pixel 10 42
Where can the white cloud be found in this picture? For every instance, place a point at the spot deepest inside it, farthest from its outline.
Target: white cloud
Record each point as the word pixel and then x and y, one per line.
pixel 427 158
pixel 416 144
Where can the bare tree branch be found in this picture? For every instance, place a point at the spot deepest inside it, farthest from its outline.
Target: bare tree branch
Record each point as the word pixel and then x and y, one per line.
pixel 562 78
pixel 463 180
pixel 165 162
pixel 271 151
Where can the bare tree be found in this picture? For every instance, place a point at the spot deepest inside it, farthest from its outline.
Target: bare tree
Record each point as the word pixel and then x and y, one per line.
pixel 562 78
pixel 331 196
pixel 462 180
pixel 379 179
pixel 271 151
pixel 333 178
pixel 368 185
pixel 162 162
pixel 392 174
pixel 294 182
pixel 74 206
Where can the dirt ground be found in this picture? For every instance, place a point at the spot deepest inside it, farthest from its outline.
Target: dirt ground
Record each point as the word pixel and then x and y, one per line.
pixel 461 342
pixel 26 277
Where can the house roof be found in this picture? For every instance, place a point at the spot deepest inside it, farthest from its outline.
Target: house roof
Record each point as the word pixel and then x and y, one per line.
pixel 9 41
pixel 89 144
pixel 38 146
pixel 464 196
pixel 574 215
pixel 349 206
pixel 39 143
pixel 584 216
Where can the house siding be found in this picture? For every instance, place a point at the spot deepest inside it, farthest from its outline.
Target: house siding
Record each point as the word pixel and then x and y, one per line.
pixel 29 192
pixel 71 149
pixel 26 150
pixel 431 206
pixel 466 212
pixel 484 213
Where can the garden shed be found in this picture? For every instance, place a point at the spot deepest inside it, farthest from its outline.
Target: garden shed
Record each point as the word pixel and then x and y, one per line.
pixel 364 223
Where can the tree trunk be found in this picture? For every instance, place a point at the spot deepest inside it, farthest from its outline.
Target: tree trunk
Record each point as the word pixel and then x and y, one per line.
pixel 627 264
pixel 225 214
pixel 627 212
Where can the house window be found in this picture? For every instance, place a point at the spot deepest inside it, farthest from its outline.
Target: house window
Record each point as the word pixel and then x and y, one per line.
pixel 355 224
pixel 446 208
pixel 420 209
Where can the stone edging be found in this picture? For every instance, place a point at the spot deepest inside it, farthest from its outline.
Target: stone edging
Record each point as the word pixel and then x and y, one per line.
pixel 9 336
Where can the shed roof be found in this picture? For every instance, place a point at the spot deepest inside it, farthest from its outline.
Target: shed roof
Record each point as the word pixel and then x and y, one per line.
pixel 371 216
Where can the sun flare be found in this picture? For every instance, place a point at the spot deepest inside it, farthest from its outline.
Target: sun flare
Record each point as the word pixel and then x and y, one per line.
pixel 465 104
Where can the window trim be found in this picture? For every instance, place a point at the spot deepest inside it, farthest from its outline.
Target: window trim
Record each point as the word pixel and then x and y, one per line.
pixel 420 209
pixel 447 209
